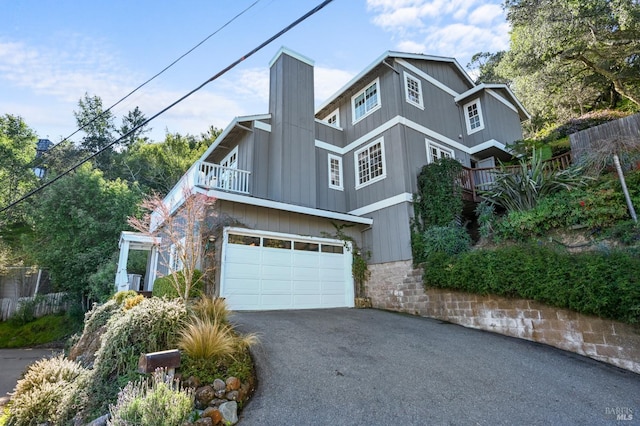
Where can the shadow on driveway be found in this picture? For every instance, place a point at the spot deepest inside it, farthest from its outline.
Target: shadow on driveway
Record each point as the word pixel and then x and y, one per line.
pixel 371 367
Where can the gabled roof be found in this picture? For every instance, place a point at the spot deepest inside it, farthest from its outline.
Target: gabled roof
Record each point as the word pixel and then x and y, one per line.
pixel 392 54
pixel 225 133
pixel 504 89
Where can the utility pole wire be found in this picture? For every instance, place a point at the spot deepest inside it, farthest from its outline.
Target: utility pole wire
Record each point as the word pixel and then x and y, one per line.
pixel 44 154
pixel 214 77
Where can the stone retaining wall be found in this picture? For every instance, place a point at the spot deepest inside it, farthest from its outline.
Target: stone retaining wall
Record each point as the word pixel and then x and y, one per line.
pixel 398 286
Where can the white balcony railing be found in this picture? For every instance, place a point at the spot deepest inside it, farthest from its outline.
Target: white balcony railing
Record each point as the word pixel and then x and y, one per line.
pixel 214 176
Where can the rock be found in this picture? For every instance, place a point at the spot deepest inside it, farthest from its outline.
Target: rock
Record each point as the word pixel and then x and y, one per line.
pixel 233 383
pixel 231 396
pixel 243 393
pixel 204 421
pixel 214 414
pixel 229 411
pixel 203 396
pixel 217 402
pixel 221 393
pixel 100 421
pixel 192 382
pixel 219 384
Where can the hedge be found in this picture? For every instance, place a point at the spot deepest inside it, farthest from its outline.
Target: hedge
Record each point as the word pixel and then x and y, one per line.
pixel 163 286
pixel 593 283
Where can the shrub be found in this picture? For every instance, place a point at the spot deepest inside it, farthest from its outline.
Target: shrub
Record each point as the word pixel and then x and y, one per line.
pixel 159 402
pixel 439 198
pixel 166 286
pixel 521 189
pixel 603 284
pixel 151 326
pixel 210 309
pixel 209 338
pixel 48 393
pixel 596 207
pixel 447 239
pixel 121 296
pixel 132 302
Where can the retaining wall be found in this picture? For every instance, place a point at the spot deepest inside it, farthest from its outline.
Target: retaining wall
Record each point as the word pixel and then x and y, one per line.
pixel 398 286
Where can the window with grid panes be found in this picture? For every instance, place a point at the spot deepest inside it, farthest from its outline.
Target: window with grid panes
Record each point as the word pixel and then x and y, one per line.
pixel 370 163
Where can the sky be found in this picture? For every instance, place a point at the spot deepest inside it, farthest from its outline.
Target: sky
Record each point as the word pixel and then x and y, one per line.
pixel 52 52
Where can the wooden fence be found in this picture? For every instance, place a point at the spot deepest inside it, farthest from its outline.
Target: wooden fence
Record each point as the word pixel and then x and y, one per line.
pixel 51 303
pixel 623 128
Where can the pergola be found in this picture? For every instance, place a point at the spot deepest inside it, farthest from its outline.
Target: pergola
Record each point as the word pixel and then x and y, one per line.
pixel 136 241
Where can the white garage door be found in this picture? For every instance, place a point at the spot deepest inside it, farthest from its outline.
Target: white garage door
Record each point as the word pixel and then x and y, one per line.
pixel 263 271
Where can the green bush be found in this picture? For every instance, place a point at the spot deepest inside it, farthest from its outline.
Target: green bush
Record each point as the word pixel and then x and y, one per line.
pixel 159 402
pixel 596 207
pixel 50 392
pixel 594 283
pixel 165 286
pixel 439 198
pixel 447 239
pixel 153 325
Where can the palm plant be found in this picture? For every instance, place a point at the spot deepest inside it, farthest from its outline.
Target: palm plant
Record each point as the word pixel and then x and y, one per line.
pixel 519 188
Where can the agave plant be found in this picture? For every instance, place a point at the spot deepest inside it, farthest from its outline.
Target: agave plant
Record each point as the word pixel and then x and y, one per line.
pixel 519 188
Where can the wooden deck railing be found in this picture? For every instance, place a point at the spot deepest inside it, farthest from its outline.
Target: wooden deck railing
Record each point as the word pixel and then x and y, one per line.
pixel 473 180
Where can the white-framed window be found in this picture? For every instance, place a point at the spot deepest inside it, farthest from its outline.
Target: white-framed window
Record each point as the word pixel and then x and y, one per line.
pixel 473 116
pixel 366 101
pixel 231 160
pixel 335 172
pixel 413 90
pixel 333 118
pixel 436 151
pixel 370 163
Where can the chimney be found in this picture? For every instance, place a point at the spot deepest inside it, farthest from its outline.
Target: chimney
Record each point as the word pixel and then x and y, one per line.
pixel 292 174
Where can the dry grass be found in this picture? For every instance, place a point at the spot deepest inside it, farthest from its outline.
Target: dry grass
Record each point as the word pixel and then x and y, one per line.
pixel 208 338
pixel 214 310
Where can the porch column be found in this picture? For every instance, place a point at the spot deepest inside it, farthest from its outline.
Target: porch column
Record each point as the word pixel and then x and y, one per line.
pixel 122 281
pixel 153 267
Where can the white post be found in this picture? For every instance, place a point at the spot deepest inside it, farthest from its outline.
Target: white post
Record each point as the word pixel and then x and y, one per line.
pixel 122 281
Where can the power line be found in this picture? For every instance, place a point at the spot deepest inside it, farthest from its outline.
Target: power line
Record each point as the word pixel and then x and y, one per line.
pixel 214 77
pixel 148 80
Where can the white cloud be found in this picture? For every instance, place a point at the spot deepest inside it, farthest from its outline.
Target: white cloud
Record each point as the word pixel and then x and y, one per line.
pixel 454 28
pixel 328 81
pixel 486 14
pixel 411 46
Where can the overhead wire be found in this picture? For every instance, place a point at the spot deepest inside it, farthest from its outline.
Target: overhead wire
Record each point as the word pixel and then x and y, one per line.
pixel 147 81
pixel 147 121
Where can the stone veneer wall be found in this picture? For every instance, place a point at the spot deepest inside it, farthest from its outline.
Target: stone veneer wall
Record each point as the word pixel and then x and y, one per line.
pixel 397 286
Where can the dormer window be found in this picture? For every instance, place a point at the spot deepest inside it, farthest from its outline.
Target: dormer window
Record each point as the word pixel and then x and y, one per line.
pixel 366 101
pixel 334 118
pixel 473 116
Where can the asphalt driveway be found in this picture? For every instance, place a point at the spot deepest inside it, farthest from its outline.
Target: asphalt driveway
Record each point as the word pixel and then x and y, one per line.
pixel 370 367
pixel 13 363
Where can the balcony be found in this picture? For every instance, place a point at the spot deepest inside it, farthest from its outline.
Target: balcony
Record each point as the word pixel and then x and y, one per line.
pixel 213 176
pixel 474 180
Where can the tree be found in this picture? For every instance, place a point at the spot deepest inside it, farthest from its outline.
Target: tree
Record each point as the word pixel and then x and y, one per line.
pixel 17 151
pixel 578 51
pixel 95 122
pixel 182 236
pixel 485 63
pixel 158 166
pixel 130 121
pixel 77 224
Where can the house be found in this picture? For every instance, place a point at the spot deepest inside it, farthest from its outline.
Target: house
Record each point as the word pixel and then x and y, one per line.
pixel 285 179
